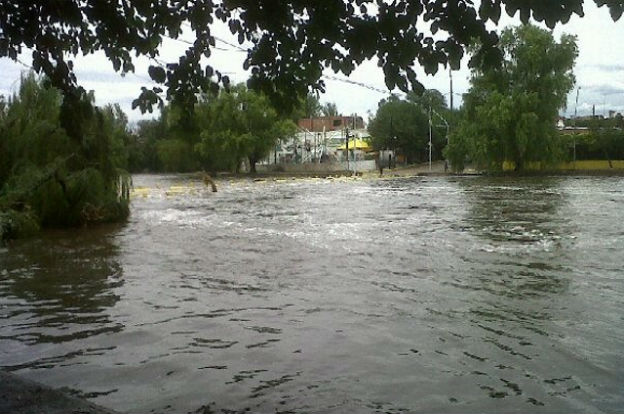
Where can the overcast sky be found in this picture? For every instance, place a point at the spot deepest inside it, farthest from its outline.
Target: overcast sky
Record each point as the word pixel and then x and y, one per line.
pixel 599 71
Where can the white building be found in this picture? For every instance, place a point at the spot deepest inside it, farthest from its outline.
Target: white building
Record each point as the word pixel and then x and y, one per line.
pixel 317 147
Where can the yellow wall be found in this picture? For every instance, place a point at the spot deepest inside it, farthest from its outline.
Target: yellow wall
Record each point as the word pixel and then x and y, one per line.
pixel 591 165
pixel 587 165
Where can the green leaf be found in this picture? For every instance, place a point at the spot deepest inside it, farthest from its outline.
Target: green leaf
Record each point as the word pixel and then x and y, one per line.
pixel 157 73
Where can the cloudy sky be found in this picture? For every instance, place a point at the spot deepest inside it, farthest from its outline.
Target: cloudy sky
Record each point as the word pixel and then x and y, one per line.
pixel 599 71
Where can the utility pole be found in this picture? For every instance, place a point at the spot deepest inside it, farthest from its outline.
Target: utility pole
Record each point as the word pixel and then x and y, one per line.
pixel 347 146
pixel 316 147
pixel 430 137
pixel 451 82
pixel 393 139
pixel 576 103
pixel 354 143
pixel 574 132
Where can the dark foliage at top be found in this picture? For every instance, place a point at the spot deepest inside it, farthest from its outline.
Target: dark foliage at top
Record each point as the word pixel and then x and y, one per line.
pixel 290 42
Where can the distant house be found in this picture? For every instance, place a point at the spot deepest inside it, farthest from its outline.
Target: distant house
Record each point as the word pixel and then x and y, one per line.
pixel 331 123
pixel 323 140
pixel 322 146
pixel 309 146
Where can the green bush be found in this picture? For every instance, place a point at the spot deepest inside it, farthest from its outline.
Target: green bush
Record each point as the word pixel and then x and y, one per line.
pixel 49 177
pixel 597 144
pixel 15 224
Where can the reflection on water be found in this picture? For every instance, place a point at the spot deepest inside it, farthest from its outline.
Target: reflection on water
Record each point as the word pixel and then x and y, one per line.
pixel 381 296
pixel 522 210
pixel 57 289
pixel 522 220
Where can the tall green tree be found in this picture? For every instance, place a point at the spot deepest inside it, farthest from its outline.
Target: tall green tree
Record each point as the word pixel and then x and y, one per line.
pixel 116 122
pixel 403 125
pixel 236 125
pixel 311 106
pixel 510 112
pixel 175 153
pixel 166 143
pixel 220 127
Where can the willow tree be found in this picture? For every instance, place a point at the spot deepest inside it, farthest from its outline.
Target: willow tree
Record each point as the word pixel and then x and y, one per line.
pixel 48 178
pixel 511 110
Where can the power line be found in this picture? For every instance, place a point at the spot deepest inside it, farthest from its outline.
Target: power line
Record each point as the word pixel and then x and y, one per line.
pixel 238 49
pixel 23 64
pixel 361 84
pixel 374 88
pixel 235 46
pixel 160 63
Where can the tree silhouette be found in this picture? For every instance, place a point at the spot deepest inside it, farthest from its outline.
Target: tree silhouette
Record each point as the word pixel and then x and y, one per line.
pixel 289 42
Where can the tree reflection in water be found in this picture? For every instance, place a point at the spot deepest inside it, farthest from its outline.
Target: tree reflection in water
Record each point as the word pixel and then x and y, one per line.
pixel 519 273
pixel 521 234
pixel 60 287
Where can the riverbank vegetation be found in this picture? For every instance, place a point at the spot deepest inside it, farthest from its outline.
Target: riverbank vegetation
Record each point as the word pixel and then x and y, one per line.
pixel 50 177
pixel 53 176
pixel 222 132
pixel 598 143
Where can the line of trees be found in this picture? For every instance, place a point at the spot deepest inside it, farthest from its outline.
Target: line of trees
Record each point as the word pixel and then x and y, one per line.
pixel 59 173
pixel 223 131
pixel 603 139
pixel 597 144
pixel 596 122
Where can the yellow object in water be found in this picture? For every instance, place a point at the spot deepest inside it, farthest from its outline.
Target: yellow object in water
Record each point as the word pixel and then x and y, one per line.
pixel 180 189
pixel 140 192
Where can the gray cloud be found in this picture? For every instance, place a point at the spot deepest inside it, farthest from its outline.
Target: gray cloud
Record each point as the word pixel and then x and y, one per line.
pixel 608 67
pixel 603 89
pixel 107 76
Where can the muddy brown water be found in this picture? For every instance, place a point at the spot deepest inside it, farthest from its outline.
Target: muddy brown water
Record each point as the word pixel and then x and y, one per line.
pixel 331 296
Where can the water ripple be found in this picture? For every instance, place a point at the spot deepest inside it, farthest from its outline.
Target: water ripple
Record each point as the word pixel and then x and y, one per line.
pixel 374 296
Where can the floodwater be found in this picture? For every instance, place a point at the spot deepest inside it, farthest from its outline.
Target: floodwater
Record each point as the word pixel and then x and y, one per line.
pixel 331 296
